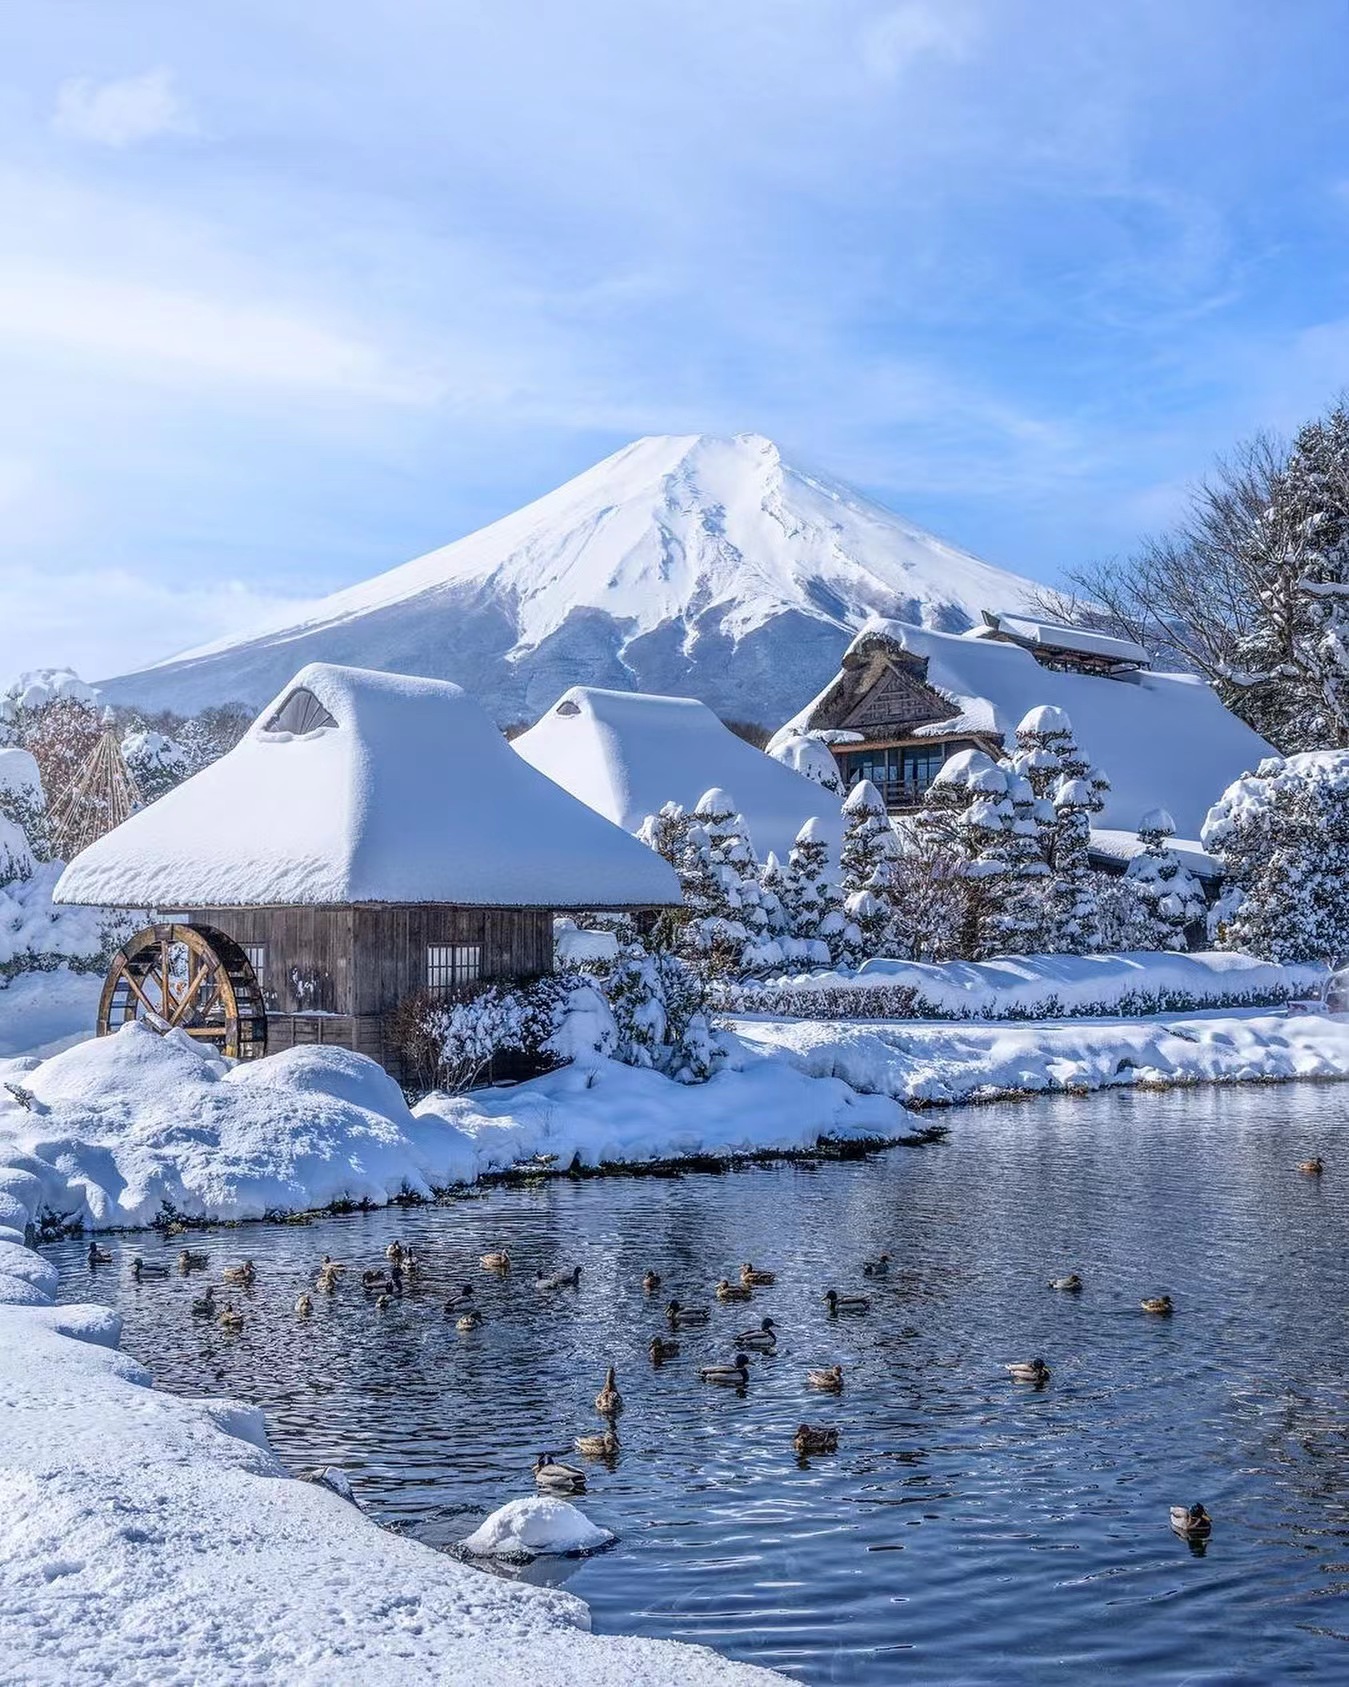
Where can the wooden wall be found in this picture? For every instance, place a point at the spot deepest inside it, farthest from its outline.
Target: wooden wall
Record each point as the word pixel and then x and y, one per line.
pixel 390 943
pixel 309 953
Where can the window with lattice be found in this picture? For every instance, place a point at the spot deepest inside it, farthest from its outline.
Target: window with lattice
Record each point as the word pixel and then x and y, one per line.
pixel 449 966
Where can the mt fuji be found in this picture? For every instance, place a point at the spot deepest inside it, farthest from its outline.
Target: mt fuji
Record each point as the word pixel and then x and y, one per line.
pixel 692 565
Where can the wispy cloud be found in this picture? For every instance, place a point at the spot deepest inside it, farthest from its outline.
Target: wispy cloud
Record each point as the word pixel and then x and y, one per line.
pixel 124 112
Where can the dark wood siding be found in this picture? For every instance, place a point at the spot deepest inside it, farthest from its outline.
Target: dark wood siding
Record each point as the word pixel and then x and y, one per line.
pixel 309 953
pixel 390 943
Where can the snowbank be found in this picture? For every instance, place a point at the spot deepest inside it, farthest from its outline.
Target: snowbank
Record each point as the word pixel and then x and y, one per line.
pixel 148 1535
pixel 119 1126
pixel 927 1065
pixel 525 1528
pixel 1032 987
pixel 43 1012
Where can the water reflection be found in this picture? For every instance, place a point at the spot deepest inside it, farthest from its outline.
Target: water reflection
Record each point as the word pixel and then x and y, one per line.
pixel 968 1529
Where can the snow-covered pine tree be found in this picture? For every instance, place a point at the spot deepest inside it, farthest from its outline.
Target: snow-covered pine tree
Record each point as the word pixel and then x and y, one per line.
pixel 808 754
pixel 967 818
pixel 812 900
pixel 730 851
pixel 867 869
pixel 1171 896
pixel 156 762
pixel 1049 758
pixel 1282 836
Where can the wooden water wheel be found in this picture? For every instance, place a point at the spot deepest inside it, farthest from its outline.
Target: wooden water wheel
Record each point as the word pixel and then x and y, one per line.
pixel 188 978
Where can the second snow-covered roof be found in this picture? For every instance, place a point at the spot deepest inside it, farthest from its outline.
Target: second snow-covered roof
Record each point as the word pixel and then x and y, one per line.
pixel 385 788
pixel 626 755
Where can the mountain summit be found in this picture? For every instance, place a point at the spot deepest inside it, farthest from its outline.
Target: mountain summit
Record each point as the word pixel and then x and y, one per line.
pixel 686 564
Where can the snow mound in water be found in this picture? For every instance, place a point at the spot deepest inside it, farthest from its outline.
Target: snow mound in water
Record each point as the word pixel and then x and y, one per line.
pixel 526 1528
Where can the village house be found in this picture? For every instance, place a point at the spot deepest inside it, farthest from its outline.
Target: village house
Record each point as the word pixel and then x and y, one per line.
pixel 371 836
pixel 906 698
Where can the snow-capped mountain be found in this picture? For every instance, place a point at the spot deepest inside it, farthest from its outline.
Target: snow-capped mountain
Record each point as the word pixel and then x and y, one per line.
pixel 685 564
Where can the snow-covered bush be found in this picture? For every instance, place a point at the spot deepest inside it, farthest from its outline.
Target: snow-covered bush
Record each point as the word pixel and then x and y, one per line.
pixel 1282 836
pixel 452 1041
pixel 22 800
pixel 808 754
pixel 155 761
pixel 966 822
pixel 658 1008
pixel 1171 896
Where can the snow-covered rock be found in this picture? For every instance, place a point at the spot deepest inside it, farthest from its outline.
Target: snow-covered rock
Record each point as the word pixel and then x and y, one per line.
pixel 526 1528
pixel 682 564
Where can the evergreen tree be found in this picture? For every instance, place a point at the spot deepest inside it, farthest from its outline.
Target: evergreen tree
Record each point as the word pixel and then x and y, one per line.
pixel 967 818
pixel 1171 897
pixel 867 869
pixel 155 761
pixel 1060 776
pixel 812 899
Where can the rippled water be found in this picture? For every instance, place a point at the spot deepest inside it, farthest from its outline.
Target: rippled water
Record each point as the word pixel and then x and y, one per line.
pixel 968 1530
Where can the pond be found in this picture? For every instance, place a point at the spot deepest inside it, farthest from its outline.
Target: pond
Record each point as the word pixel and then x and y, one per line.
pixel 968 1528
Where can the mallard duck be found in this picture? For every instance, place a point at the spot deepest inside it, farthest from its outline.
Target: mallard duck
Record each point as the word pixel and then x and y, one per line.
pixel 765 1337
pixel 244 1274
pixel 846 1303
pixel 469 1321
pixel 188 1261
pixel 814 1438
pixel 376 1275
pixel 394 1252
pixel 757 1279
pixel 877 1267
pixel 326 1279
pixel 1158 1304
pixel 498 1261
pixel 609 1400
pixel 650 1282
pixel 733 1291
pixel 229 1319
pixel 597 1446
pixel 551 1473
pixel 1191 1521
pixel 1070 1284
pixel 463 1301
pixel 560 1279
pixel 204 1305
pixel 328 1263
pixel 411 1265
pixel 831 1380
pixel 681 1317
pixel 729 1376
pixel 303 1307
pixel 97 1255
pixel 140 1269
pixel 660 1350
pixel 1032 1371
pixel 1312 1168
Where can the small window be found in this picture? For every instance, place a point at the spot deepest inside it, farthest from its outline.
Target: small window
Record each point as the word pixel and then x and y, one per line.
pixel 449 965
pixel 300 713
pixel 256 956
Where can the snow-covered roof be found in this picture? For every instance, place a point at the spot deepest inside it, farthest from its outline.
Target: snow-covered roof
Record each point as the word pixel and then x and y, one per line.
pixel 1120 846
pixel 1046 635
pixel 397 790
pixel 625 755
pixel 1161 739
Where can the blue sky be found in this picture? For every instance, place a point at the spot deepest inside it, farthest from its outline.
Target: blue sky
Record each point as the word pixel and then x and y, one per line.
pixel 290 293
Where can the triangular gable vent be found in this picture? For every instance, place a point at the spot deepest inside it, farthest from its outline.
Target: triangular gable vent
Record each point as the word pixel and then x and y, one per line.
pixel 300 713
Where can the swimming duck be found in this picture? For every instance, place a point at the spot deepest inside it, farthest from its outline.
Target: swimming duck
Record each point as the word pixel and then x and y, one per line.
pixel 412 1266
pixel 757 1279
pixel 650 1282
pixel 463 1301
pixel 814 1438
pixel 328 1263
pixel 1069 1284
pixel 372 1278
pixel 609 1400
pixel 394 1252
pixel 561 1478
pixel 831 1380
pixel 1192 1521
pixel 229 1319
pixel 500 1260
pixel 1033 1371
pixel 682 1316
pixel 560 1280
pixel 846 1303
pixel 470 1320
pixel 244 1274
pixel 597 1446
pixel 204 1305
pixel 188 1261
pixel 140 1269
pixel 765 1338
pixel 326 1279
pixel 660 1350
pixel 1313 1168
pixel 303 1307
pixel 98 1256
pixel 382 1301
pixel 729 1376
pixel 1160 1304
pixel 877 1267
pixel 733 1291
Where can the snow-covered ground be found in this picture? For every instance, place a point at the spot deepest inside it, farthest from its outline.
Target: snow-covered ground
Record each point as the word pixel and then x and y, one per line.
pixel 146 1536
pixel 44 1012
